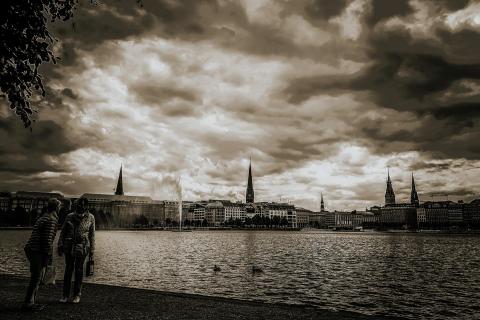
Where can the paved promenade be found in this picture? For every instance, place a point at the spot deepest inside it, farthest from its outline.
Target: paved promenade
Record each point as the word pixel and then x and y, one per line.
pixel 112 302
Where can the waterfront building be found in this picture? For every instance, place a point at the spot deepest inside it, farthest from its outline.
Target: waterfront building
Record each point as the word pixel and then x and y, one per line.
pixel 120 210
pixel 250 195
pixel 24 207
pixel 303 217
pixel 171 211
pixel 215 213
pixel 471 214
pixel 440 215
pixel 455 214
pixel 123 211
pixel 421 217
pixel 30 200
pixel 329 220
pixel 199 212
pixel 317 219
pixel 389 194
pixel 340 220
pixel 235 211
pixel 5 202
pixel 187 210
pixel 369 219
pixel 400 215
pixel 280 210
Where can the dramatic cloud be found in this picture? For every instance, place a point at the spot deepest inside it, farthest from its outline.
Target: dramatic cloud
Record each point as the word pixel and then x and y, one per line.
pixel 322 95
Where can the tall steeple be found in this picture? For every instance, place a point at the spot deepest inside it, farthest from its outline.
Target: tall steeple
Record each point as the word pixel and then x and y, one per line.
pixel 119 189
pixel 250 196
pixel 322 204
pixel 413 195
pixel 389 194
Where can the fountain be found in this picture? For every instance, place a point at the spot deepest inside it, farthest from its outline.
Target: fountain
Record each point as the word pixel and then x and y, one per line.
pixel 178 190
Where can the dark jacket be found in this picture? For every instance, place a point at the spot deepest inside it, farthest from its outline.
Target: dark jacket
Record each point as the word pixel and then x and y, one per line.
pixel 43 234
pixel 77 229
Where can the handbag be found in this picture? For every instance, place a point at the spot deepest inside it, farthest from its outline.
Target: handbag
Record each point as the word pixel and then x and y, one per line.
pixel 49 275
pixel 90 267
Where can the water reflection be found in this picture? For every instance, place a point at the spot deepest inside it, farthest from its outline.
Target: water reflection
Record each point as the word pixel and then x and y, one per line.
pixel 410 275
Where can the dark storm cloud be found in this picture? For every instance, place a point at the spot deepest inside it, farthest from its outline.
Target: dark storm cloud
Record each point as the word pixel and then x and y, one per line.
pixel 444 192
pixel 454 5
pixel 93 24
pixel 225 24
pixel 401 81
pixel 26 152
pixel 45 137
pixel 382 9
pixel 69 93
pixel 436 166
pixel 325 9
pixel 168 101
pixel 411 75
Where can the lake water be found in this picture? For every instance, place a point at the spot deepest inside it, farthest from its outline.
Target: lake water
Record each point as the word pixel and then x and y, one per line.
pixel 409 275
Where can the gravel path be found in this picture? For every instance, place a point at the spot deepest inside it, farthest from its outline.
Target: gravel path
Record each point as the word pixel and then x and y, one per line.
pixel 112 302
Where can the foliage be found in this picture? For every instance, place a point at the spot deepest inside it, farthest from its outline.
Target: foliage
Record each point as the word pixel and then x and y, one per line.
pixel 26 44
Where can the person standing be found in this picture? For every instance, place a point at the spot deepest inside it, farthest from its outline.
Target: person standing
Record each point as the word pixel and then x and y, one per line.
pixel 76 242
pixel 39 249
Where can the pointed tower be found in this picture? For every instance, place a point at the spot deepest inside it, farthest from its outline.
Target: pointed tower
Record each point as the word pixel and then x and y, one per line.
pixel 250 197
pixel 413 195
pixel 389 194
pixel 119 189
pixel 322 204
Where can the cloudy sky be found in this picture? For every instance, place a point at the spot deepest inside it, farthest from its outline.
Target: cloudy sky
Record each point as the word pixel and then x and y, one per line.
pixel 323 96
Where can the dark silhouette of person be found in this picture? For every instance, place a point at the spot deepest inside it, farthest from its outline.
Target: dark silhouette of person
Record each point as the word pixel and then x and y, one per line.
pixel 76 242
pixel 39 250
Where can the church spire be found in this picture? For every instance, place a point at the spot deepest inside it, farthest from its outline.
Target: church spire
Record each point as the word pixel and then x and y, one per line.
pixel 250 197
pixel 389 194
pixel 413 195
pixel 322 204
pixel 119 189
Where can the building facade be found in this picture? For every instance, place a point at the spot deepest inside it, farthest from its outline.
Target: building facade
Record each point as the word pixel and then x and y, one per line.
pixel 235 211
pixel 215 214
pixel 398 216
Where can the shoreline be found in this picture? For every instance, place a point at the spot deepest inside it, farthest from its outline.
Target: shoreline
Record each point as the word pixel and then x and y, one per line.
pixel 101 301
pixel 313 230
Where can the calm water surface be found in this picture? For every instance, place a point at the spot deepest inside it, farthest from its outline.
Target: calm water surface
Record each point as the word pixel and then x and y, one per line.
pixel 409 275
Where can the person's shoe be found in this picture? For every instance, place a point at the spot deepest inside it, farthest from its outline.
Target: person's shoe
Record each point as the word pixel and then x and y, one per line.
pixel 76 299
pixel 63 300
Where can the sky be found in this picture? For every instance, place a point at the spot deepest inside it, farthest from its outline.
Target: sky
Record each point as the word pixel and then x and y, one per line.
pixel 324 96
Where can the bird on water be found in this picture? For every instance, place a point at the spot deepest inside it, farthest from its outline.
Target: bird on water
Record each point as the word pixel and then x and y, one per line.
pixel 256 269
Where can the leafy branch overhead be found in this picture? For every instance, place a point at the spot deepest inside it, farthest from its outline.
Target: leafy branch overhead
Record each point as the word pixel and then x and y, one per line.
pixel 26 44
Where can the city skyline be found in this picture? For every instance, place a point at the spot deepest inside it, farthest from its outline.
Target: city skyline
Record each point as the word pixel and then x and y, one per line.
pixel 389 198
pixel 323 97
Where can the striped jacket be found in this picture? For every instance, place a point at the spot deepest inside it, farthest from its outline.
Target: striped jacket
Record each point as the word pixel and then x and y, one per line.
pixel 77 228
pixel 43 234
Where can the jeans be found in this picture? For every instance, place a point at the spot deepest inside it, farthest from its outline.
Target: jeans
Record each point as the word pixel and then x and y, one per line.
pixel 72 264
pixel 38 262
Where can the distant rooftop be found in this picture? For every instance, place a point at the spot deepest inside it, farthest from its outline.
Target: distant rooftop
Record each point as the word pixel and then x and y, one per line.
pixel 114 197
